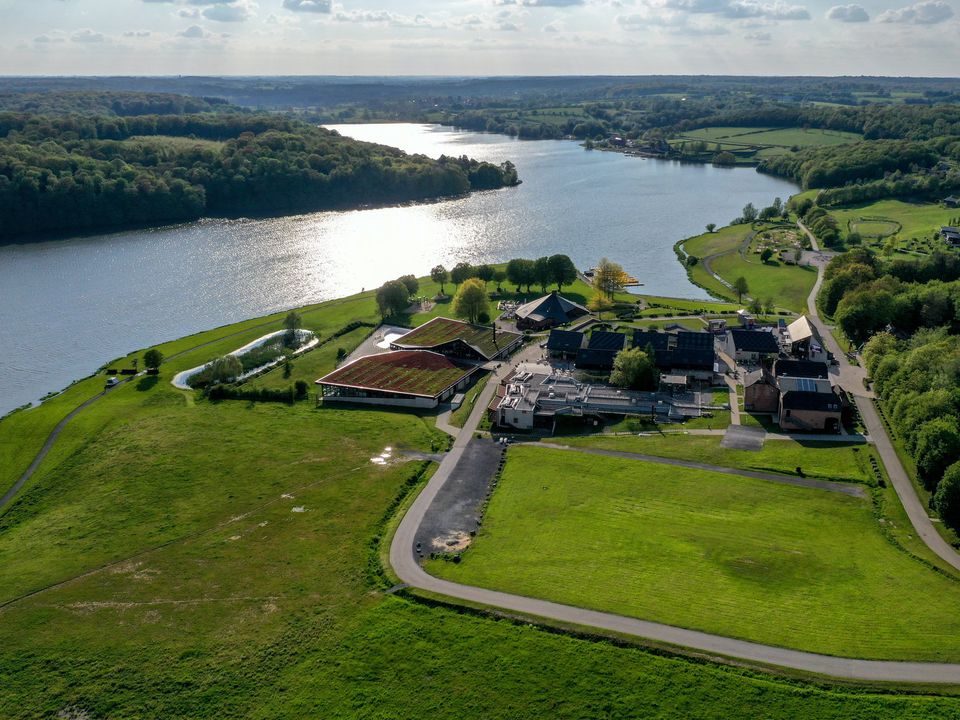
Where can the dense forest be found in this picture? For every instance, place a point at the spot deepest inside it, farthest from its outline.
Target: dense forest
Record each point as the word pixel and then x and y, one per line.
pixel 72 173
pixel 908 314
pixel 839 165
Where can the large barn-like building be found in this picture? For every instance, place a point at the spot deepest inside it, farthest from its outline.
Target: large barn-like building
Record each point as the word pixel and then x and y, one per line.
pixel 547 312
pixel 454 338
pixel 405 378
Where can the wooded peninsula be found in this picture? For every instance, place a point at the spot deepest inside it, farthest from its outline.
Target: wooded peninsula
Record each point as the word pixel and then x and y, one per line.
pixel 73 172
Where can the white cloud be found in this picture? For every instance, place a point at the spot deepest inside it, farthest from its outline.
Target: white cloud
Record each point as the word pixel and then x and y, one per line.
pixel 52 37
pixel 384 17
pixel 735 9
pixel 540 3
pixel 237 11
pixel 553 27
pixel 313 6
pixel 848 13
pixel 194 32
pixel 86 35
pixel 758 37
pixel 136 33
pixel 929 12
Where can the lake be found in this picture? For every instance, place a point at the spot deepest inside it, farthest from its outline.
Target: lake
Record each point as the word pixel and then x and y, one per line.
pixel 68 306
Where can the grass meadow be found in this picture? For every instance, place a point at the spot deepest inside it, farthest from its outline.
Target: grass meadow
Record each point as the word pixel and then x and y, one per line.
pixel 776 564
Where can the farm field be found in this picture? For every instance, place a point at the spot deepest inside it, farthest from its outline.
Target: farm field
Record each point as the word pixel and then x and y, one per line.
pixel 242 586
pixel 781 137
pixel 747 558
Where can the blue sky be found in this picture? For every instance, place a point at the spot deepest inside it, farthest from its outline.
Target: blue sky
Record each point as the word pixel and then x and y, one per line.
pixel 479 37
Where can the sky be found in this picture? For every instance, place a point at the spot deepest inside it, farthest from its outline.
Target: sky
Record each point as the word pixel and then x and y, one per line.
pixel 478 37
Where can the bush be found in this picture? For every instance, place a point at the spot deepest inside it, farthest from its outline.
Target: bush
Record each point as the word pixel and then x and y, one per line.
pixel 231 392
pixel 947 498
pixel 301 390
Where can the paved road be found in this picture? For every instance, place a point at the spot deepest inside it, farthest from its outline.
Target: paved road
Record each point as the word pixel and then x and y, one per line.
pixel 837 487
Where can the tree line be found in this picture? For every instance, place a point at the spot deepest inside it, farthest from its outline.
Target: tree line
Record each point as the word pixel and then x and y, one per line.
pixel 908 316
pixel 64 174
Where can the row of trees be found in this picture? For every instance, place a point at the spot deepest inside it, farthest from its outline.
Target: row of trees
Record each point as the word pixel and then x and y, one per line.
pixel 520 272
pixel 917 379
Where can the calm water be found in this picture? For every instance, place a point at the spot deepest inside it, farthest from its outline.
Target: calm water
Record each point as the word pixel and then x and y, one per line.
pixel 68 306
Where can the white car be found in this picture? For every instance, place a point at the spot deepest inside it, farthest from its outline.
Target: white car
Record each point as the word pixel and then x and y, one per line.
pixel 111 381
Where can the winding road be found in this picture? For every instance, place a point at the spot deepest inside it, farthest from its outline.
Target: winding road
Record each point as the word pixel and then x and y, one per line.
pixel 406 566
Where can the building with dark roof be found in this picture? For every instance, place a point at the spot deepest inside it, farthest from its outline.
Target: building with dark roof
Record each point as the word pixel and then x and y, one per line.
pixel 405 378
pixel 751 346
pixel 606 340
pixel 595 359
pixel 651 338
pixel 454 338
pixel 801 369
pixel 547 312
pixel 810 411
pixel 684 352
pixel 564 343
pixel 950 234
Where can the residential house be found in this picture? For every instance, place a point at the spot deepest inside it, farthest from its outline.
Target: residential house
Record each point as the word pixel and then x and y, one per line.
pixel 805 341
pixel 751 346
pixel 950 234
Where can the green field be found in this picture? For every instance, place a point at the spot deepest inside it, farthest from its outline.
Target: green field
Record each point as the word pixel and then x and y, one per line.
pixel 786 284
pixel 845 462
pixel 750 137
pixel 221 599
pixel 910 226
pixel 746 558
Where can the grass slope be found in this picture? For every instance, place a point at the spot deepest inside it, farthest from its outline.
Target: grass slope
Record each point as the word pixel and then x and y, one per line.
pixel 746 558
pixel 224 601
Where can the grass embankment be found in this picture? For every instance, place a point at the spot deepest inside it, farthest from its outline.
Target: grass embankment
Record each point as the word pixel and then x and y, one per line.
pixel 746 558
pixel 242 536
pixel 787 284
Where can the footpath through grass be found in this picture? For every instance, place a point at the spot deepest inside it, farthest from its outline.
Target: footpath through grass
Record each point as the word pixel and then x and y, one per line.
pixel 776 564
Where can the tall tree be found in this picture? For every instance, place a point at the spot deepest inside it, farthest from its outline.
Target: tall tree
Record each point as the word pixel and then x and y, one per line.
pixel 749 213
pixel 608 278
pixel 541 271
pixel 462 271
pixel 152 359
pixel 471 301
pixel 741 287
pixel 484 272
pixel 633 368
pixel 411 283
pixel 562 270
pixel 521 272
pixel 392 298
pixel 440 276
pixel 498 277
pixel 292 322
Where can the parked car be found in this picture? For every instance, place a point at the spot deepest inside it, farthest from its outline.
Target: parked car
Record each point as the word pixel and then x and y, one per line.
pixel 111 381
